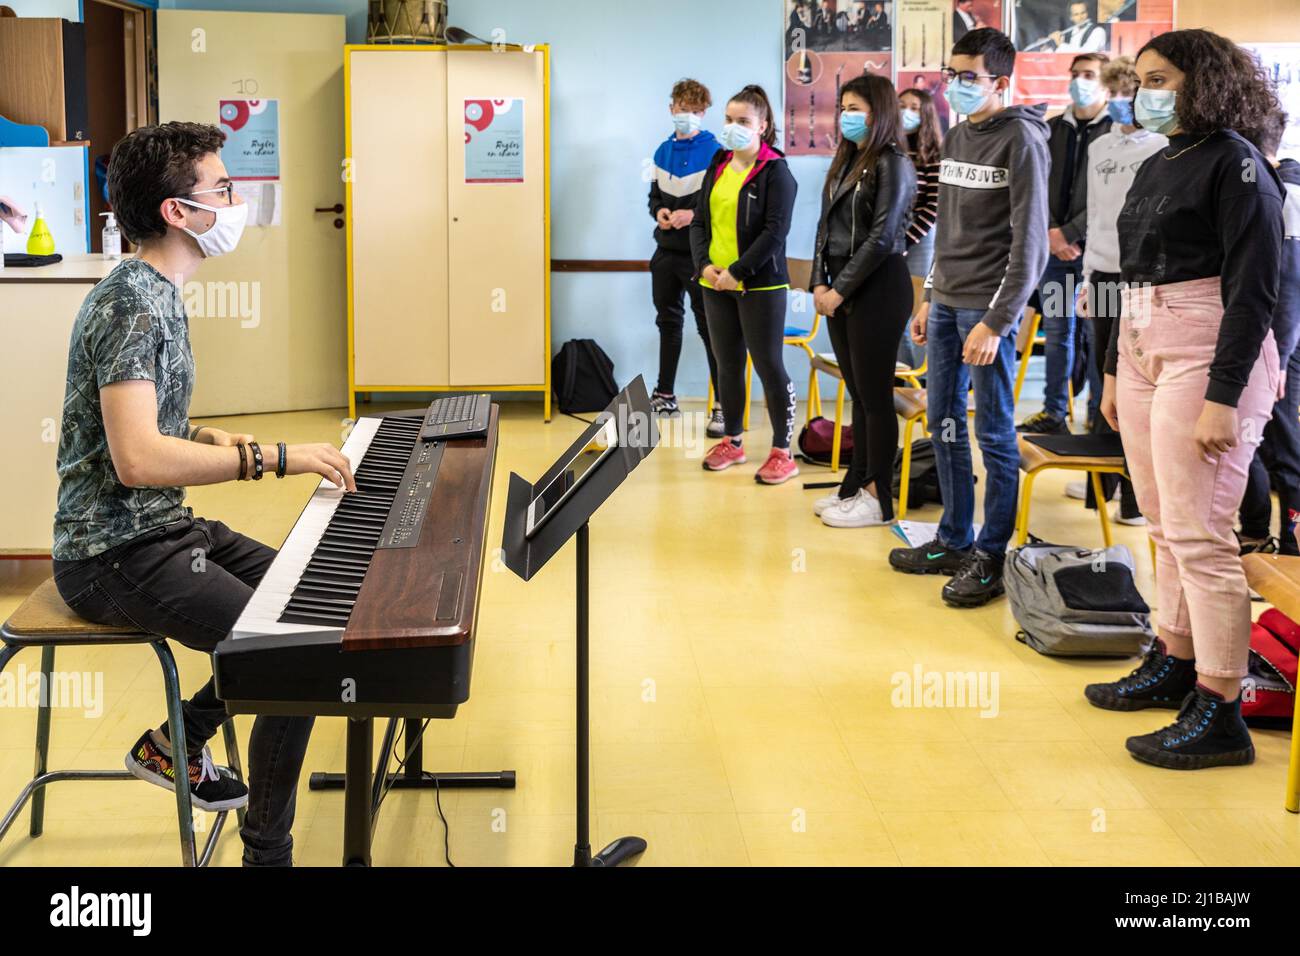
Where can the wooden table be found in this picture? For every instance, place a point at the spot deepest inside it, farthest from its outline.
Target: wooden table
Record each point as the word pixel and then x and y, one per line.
pixel 1277 578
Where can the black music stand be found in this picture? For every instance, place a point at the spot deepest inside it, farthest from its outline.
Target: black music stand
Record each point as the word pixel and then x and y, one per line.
pixel 638 434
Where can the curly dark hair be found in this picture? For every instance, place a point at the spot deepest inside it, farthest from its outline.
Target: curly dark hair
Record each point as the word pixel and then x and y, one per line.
pixel 1267 137
pixel 152 164
pixel 1224 88
pixel 692 94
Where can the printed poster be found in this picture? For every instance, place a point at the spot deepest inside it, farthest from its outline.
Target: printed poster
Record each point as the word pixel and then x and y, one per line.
pixel 494 141
pixel 927 29
pixel 252 148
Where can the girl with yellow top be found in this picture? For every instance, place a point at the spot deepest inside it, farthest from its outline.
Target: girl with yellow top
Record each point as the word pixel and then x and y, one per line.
pixel 738 246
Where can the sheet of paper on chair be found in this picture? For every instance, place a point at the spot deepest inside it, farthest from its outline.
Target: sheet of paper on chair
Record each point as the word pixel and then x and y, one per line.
pixel 917 533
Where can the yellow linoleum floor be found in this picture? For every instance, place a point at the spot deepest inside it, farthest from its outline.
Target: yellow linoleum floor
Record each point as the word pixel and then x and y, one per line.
pixel 744 661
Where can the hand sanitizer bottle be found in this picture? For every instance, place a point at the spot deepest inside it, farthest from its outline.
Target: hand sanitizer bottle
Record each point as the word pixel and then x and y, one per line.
pixel 112 237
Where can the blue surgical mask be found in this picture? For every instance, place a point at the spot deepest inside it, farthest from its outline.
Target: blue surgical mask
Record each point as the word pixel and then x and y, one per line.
pixel 966 98
pixel 911 120
pixel 688 124
pixel 854 127
pixel 734 137
pixel 1083 91
pixel 1120 109
pixel 1154 109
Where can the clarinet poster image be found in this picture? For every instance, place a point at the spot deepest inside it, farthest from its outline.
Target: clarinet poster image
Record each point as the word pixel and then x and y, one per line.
pixel 1282 62
pixel 1050 33
pixel 828 42
pixel 927 30
pixel 252 148
pixel 494 141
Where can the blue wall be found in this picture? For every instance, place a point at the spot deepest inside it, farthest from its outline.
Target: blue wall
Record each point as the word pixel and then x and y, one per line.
pixel 612 66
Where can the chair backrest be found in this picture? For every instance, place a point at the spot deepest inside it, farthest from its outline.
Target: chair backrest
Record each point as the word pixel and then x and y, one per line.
pixel 800 273
pixel 1025 330
pixel 22 134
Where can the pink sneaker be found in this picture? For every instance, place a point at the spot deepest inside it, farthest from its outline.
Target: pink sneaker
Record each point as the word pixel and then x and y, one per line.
pixel 723 455
pixel 779 467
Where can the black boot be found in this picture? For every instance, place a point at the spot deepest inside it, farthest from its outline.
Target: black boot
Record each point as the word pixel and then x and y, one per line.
pixel 978 582
pixel 1159 681
pixel 1209 732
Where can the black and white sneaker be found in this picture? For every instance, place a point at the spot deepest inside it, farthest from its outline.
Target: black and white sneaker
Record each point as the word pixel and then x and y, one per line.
pixel 717 426
pixel 933 557
pixel 662 404
pixel 1041 423
pixel 1159 681
pixel 978 582
pixel 209 788
pixel 1209 732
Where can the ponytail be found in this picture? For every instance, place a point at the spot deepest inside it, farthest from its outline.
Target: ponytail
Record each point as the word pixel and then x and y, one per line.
pixel 755 96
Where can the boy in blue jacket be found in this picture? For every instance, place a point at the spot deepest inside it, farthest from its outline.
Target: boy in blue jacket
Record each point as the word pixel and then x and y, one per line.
pixel 679 166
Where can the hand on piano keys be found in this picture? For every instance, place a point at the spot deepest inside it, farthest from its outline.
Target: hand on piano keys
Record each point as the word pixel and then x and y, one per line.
pixel 321 459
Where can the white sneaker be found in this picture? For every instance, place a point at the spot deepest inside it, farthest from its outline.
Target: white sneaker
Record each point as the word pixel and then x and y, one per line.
pixel 1136 522
pixel 860 511
pixel 1078 490
pixel 826 502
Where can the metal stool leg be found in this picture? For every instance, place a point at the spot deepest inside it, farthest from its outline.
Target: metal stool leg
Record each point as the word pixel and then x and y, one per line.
pixel 1293 769
pixel 905 473
pixel 1101 507
pixel 176 723
pixel 42 739
pixel 1022 519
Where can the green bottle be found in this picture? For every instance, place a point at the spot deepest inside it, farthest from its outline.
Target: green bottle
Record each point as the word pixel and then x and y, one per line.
pixel 40 242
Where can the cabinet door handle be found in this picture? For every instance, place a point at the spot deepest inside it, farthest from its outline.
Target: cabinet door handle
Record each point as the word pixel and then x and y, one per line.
pixel 337 208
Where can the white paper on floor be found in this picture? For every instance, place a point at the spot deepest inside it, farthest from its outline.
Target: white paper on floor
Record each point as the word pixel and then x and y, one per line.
pixel 917 533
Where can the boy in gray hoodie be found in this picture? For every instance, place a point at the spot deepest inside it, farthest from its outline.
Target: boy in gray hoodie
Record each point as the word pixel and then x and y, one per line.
pixel 990 249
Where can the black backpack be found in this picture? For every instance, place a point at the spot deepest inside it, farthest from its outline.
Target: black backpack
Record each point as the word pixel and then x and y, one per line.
pixel 923 486
pixel 583 377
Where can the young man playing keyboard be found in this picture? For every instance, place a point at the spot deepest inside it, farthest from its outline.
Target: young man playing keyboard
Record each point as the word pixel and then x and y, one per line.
pixel 126 549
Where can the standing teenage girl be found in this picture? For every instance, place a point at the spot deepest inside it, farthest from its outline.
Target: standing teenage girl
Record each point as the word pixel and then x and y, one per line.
pixel 738 244
pixel 861 284
pixel 1195 378
pixel 920 122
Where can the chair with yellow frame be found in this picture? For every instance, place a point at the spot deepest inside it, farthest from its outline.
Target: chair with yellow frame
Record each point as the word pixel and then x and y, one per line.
pixel 1035 459
pixel 800 271
pixel 1027 338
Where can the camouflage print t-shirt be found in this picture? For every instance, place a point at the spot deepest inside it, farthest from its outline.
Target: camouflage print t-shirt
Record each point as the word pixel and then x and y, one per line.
pixel 131 326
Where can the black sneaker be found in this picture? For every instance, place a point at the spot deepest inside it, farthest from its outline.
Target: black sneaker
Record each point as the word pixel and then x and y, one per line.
pixel 662 404
pixel 1209 732
pixel 1041 423
pixel 1266 546
pixel 1159 681
pixel 978 582
pixel 934 557
pixel 209 788
pixel 717 426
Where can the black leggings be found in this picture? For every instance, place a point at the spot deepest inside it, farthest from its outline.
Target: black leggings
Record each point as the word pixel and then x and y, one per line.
pixel 865 332
pixel 1103 306
pixel 671 274
pixel 753 321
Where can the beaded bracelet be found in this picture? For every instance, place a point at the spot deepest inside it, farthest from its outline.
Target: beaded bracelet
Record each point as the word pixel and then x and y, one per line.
pixel 283 463
pixel 257 460
pixel 243 462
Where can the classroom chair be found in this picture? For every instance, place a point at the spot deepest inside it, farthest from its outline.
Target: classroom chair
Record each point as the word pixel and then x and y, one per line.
pixel 1027 338
pixel 44 621
pixel 1035 459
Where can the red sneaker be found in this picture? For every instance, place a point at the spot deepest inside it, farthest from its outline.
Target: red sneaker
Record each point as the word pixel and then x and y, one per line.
pixel 779 467
pixel 723 455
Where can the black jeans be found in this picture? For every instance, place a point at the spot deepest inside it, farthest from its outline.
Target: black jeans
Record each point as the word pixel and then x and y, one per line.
pixel 189 581
pixel 671 274
pixel 1277 463
pixel 753 321
pixel 865 332
pixel 1103 311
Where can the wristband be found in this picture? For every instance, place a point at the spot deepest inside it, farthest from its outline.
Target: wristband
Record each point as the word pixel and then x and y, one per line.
pixel 194 433
pixel 257 460
pixel 243 462
pixel 283 463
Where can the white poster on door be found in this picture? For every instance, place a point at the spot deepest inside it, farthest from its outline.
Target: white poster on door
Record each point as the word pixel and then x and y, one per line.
pixel 494 140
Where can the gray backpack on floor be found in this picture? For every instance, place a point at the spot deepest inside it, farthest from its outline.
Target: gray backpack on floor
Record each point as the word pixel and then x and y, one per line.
pixel 1073 602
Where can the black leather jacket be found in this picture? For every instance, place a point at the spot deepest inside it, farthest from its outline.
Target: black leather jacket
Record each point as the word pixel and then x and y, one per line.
pixel 864 221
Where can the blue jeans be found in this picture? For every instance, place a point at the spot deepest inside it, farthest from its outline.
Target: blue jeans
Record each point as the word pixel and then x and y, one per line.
pixel 948 382
pixel 1057 292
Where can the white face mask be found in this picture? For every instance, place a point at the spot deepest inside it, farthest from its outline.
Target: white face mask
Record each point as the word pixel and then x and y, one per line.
pixel 225 232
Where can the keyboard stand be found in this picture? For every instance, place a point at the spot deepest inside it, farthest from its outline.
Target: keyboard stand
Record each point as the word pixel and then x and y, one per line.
pixel 363 787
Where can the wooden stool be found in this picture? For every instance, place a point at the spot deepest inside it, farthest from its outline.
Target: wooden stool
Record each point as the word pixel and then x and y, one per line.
pixel 1035 459
pixel 44 621
pixel 1277 578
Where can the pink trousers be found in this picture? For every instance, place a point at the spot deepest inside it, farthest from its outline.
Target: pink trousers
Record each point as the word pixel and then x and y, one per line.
pixel 1167 340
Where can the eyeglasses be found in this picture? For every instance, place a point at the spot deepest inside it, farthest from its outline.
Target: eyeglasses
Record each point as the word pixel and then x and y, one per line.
pixel 966 76
pixel 228 189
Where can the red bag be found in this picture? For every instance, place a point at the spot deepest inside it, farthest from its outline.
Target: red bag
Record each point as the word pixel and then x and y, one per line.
pixel 1269 689
pixel 816 438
